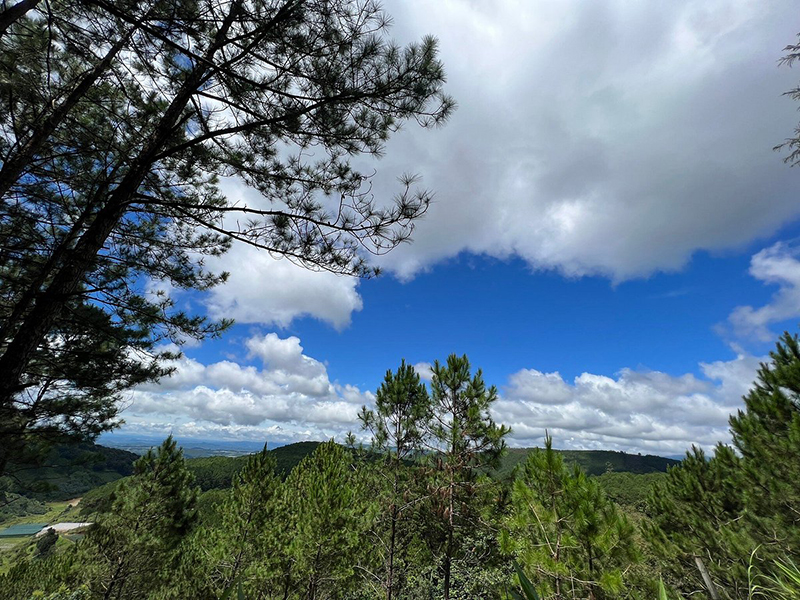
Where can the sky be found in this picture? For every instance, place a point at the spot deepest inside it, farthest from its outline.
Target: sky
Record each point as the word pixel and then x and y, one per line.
pixel 613 240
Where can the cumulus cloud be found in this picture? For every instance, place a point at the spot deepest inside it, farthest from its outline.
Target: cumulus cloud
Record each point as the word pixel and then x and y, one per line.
pixel 604 138
pixel 777 265
pixel 291 394
pixel 424 370
pixel 265 289
pixel 607 138
pixel 645 411
pixel 290 398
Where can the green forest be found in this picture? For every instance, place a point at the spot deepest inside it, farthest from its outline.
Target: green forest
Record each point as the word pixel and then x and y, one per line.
pixel 433 507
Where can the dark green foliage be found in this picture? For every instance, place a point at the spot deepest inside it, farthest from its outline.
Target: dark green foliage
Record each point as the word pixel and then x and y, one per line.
pixel 244 548
pixel 465 442
pixel 13 505
pixel 217 472
pixel 627 489
pixel 565 533
pixel 696 512
pixel 426 513
pixel 57 574
pixel 594 462
pixel 68 470
pixel 100 499
pixel 111 157
pixel 399 426
pixel 767 437
pixel 45 543
pixel 130 548
pixel 738 511
pixel 210 505
pixel 325 514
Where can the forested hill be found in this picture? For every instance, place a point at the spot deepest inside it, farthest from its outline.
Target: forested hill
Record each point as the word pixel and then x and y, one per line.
pixel 71 470
pixel 216 472
pixel 597 462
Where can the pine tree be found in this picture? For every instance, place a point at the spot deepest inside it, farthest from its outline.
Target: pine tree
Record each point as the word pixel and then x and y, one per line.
pixel 324 518
pixel 129 551
pixel 564 532
pixel 45 544
pixel 465 440
pixel 736 513
pixel 398 426
pixel 766 435
pixel 119 118
pixel 696 524
pixel 243 548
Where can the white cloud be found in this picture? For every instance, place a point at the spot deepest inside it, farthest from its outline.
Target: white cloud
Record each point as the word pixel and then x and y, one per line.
pixel 604 138
pixel 635 411
pixel 264 289
pixel 291 398
pixel 600 138
pixel 424 370
pixel 778 265
pixel 291 394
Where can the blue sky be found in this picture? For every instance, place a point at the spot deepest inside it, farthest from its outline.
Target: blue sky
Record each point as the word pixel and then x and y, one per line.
pixel 506 317
pixel 614 241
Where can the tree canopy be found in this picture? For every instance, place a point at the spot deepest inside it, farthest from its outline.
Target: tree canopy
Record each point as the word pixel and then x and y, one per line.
pixel 118 123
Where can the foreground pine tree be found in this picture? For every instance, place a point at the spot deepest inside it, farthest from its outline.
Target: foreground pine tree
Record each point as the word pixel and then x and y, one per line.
pixel 323 521
pixel 242 545
pixel 733 516
pixel 564 532
pixel 132 548
pixel 466 442
pixel 398 426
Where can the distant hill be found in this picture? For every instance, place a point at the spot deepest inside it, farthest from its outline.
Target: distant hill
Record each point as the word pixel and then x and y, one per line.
pixel 596 462
pixel 69 471
pixel 192 447
pixel 216 472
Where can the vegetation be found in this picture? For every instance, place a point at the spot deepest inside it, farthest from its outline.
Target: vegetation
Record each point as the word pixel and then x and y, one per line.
pixel 717 519
pixel 117 120
pixel 562 528
pixel 426 512
pixel 67 471
pixel 595 462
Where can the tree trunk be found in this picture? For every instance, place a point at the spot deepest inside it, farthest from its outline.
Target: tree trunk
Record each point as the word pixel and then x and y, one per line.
pixel 448 559
pixel 448 564
pixel 390 574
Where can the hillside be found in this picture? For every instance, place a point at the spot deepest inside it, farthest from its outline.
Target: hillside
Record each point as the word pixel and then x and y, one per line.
pixel 69 471
pixel 596 462
pixel 216 472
